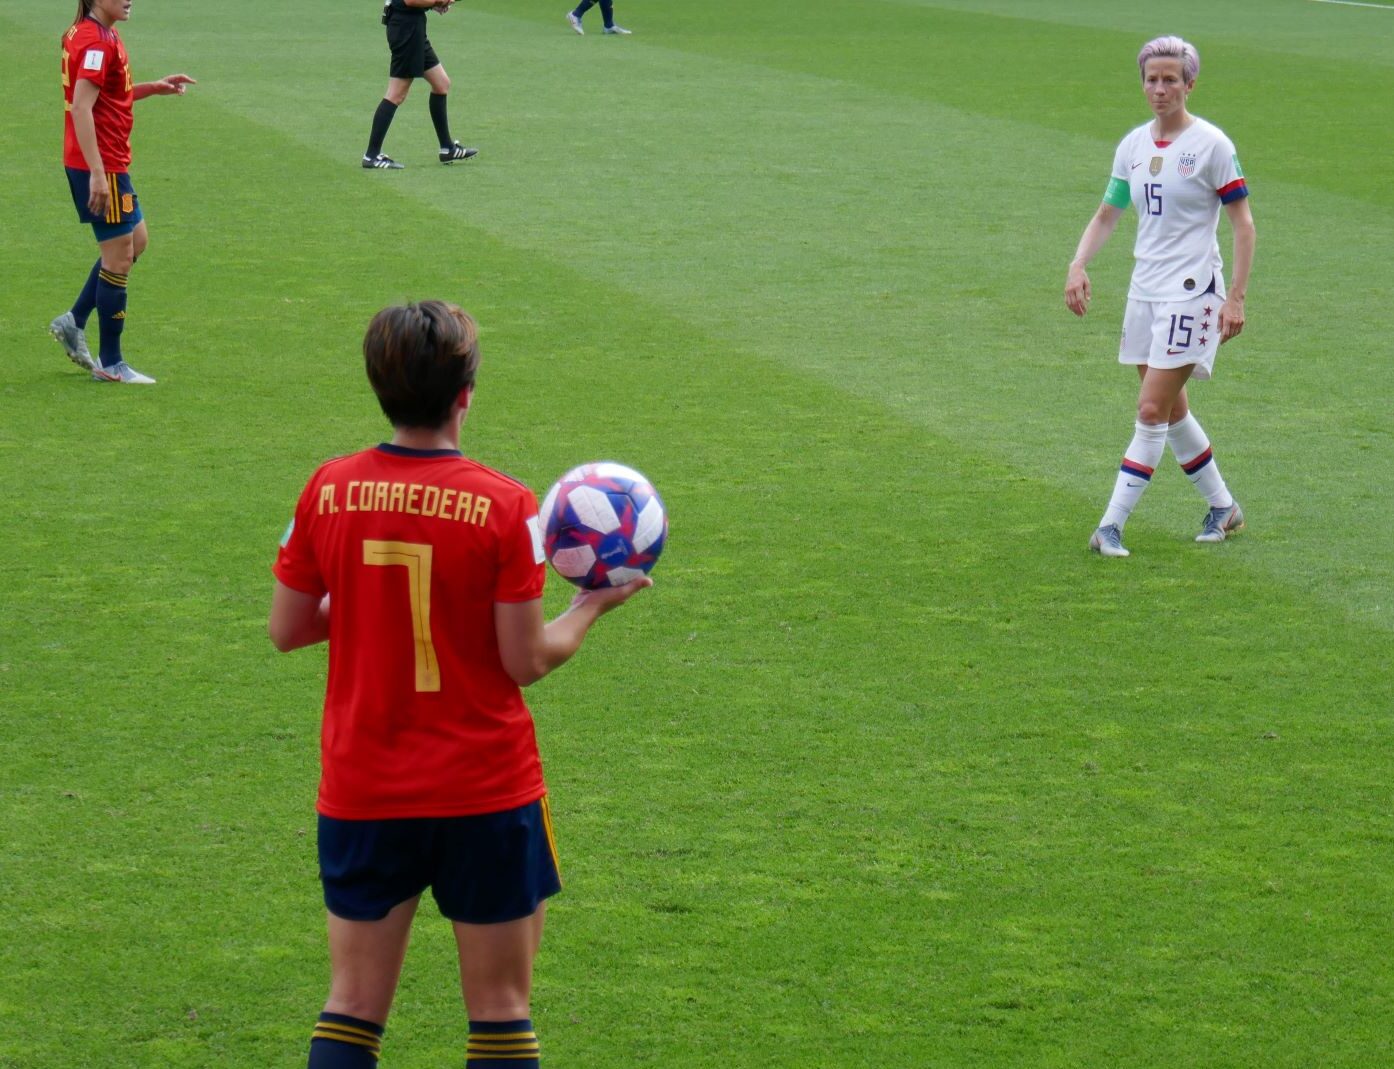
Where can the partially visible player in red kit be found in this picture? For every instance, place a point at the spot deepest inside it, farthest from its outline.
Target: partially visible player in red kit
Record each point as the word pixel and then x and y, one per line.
pixel 98 93
pixel 424 571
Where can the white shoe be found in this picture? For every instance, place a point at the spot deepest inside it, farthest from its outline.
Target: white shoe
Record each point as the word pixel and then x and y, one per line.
pixel 122 372
pixel 618 29
pixel 1219 524
pixel 1108 542
pixel 575 23
pixel 74 342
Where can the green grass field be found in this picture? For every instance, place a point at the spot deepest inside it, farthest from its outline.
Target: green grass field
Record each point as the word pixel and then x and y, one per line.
pixel 886 769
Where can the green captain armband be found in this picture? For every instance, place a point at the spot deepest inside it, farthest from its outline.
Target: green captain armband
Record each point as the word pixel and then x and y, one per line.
pixel 1118 194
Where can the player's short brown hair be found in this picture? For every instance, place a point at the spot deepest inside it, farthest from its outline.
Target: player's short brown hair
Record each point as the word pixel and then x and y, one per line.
pixel 419 357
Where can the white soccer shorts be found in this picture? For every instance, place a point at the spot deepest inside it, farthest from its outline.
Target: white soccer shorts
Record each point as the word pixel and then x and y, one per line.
pixel 1169 335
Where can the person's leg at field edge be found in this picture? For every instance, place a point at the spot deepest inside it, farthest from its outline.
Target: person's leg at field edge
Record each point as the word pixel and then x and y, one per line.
pixel 496 980
pixel 365 964
pixel 450 149
pixel 118 255
pixel 394 98
pixel 1158 398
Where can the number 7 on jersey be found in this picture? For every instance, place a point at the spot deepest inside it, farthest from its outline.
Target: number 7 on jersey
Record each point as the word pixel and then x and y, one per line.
pixel 416 558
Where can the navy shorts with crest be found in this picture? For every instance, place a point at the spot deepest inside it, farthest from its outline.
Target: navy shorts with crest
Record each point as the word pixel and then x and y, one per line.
pixel 123 210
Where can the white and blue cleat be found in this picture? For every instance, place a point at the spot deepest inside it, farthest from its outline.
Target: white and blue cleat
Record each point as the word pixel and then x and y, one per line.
pixel 1219 524
pixel 1108 542
pixel 74 342
pixel 122 372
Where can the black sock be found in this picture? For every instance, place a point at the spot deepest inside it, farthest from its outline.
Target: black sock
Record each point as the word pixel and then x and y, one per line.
pixel 583 7
pixel 87 299
pixel 382 119
pixel 441 122
pixel 344 1042
pixel 502 1045
pixel 607 12
pixel 111 314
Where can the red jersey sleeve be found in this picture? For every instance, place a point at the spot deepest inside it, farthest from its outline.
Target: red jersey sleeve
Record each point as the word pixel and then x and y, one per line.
pixel 90 59
pixel 296 565
pixel 521 573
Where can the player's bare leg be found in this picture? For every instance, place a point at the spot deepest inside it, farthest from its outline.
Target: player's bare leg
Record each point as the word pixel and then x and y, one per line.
pixel 496 980
pixel 365 962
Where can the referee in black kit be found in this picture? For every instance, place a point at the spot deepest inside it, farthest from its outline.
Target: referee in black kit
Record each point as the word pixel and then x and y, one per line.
pixel 412 57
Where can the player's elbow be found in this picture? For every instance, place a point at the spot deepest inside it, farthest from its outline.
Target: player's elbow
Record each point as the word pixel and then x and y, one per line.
pixel 525 663
pixel 285 635
pixel 525 671
pixel 279 637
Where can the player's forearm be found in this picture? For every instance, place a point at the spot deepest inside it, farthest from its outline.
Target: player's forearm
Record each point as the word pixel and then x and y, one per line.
pixel 86 130
pixel 143 90
pixel 1245 238
pixel 561 638
pixel 1095 236
pixel 297 620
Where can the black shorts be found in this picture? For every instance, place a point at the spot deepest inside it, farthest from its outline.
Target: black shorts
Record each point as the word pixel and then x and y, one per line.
pixel 483 869
pixel 412 54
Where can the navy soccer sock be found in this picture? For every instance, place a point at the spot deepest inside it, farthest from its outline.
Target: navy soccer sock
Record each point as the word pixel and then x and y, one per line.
pixel 111 314
pixel 87 299
pixel 344 1042
pixel 438 118
pixel 502 1045
pixel 583 7
pixel 382 119
pixel 607 12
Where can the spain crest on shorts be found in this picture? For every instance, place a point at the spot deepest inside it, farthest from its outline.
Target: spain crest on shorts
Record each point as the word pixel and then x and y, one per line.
pixel 128 204
pixel 1186 165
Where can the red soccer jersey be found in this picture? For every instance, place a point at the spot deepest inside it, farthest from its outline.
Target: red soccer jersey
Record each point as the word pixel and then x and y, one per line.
pixel 93 53
pixel 414 549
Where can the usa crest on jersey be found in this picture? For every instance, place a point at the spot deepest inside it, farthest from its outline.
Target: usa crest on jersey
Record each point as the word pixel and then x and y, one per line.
pixel 1186 165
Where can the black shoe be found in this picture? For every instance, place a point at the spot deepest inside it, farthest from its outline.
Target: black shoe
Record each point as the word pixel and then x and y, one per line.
pixel 381 163
pixel 457 151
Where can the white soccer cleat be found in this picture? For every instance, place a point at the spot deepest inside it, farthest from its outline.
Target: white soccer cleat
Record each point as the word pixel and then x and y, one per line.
pixel 74 342
pixel 575 22
pixel 618 29
pixel 122 372
pixel 1108 542
pixel 1219 524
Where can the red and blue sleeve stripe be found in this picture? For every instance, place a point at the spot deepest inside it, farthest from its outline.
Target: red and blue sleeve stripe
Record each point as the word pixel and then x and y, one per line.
pixel 1236 190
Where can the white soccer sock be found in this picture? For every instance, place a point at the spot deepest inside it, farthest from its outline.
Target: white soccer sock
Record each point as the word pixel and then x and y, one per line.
pixel 1139 462
pixel 1192 449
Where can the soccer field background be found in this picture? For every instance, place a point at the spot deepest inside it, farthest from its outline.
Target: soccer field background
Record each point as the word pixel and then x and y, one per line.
pixel 886 769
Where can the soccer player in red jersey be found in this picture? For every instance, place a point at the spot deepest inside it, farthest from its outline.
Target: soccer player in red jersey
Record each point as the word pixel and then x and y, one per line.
pixel 99 93
pixel 424 570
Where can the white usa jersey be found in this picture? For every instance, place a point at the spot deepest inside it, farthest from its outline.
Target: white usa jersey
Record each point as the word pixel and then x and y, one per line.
pixel 1177 188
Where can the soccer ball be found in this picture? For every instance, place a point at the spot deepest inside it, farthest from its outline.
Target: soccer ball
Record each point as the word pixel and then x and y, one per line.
pixel 603 525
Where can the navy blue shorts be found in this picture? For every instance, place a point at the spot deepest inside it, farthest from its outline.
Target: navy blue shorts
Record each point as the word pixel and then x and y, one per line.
pixel 123 212
pixel 482 869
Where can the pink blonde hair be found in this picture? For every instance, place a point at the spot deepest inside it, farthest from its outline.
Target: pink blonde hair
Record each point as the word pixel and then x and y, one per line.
pixel 1171 48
